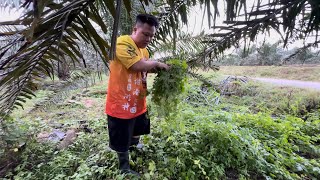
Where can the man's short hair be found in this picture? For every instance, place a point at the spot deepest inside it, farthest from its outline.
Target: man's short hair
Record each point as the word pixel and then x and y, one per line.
pixel 147 18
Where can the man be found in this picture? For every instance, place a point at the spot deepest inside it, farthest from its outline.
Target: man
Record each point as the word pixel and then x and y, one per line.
pixel 127 89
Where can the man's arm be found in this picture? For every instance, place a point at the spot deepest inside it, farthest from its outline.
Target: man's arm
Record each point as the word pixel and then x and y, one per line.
pixel 144 66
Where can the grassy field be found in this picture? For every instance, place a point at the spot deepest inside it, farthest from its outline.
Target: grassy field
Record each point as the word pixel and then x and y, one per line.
pixel 304 73
pixel 254 131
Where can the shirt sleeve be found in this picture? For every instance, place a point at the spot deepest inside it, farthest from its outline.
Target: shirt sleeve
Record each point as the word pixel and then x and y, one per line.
pixel 126 54
pixel 146 53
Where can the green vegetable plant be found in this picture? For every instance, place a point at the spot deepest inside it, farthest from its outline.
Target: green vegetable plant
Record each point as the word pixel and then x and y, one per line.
pixel 168 86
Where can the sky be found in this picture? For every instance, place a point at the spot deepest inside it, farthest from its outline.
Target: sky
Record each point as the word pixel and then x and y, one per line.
pixel 6 15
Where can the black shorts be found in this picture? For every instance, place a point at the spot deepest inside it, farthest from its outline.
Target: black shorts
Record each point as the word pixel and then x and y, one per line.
pixel 121 131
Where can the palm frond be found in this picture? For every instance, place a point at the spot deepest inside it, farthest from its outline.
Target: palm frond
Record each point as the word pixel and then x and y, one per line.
pixel 292 19
pixel 51 31
pixel 189 48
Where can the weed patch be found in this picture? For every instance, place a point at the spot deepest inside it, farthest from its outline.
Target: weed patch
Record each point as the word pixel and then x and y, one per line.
pixel 259 132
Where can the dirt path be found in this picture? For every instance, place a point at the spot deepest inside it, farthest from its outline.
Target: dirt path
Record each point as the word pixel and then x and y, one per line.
pixel 292 83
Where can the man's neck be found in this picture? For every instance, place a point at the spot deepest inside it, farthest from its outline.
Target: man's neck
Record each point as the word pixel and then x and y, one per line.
pixel 134 41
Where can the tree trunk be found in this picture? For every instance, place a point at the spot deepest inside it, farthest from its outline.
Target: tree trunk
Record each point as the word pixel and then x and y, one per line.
pixel 63 70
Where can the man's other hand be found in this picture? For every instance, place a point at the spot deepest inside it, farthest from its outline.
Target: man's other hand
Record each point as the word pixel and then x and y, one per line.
pixel 162 66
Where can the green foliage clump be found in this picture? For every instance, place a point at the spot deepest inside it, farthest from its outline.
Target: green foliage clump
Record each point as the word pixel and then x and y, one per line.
pixel 87 158
pixel 206 140
pixel 206 143
pixel 168 86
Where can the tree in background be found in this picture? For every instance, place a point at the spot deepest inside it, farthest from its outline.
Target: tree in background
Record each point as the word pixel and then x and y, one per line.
pixel 268 54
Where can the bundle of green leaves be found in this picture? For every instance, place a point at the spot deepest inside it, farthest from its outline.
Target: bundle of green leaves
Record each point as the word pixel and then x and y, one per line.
pixel 168 86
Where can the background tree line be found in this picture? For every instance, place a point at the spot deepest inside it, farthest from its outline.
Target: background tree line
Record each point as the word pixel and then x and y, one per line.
pixel 269 54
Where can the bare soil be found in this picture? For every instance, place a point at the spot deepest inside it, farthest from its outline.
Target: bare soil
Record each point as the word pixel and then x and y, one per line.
pixel 292 83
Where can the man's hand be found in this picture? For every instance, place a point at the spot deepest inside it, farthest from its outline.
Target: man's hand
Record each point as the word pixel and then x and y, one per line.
pixel 162 66
pixel 143 65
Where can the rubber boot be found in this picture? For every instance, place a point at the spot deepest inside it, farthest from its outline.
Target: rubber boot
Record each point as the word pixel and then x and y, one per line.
pixel 124 165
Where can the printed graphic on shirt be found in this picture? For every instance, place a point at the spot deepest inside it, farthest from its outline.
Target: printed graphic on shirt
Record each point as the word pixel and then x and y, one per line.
pixel 137 81
pixel 129 87
pixel 132 51
pixel 127 97
pixel 125 106
pixel 136 92
pixel 133 110
pixel 144 79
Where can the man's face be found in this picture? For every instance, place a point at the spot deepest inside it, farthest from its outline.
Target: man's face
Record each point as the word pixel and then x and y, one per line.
pixel 142 34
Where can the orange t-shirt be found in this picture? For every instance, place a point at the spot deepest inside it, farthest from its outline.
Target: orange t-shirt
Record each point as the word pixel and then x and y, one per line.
pixel 127 90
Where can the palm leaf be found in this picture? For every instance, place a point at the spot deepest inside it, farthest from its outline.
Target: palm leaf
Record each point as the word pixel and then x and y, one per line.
pixel 53 28
pixel 292 16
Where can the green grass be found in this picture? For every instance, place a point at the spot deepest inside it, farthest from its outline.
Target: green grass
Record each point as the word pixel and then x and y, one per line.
pixel 30 103
pixel 305 73
pixel 258 132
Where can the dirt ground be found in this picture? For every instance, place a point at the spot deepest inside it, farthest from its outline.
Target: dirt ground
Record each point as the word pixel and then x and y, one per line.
pixel 292 83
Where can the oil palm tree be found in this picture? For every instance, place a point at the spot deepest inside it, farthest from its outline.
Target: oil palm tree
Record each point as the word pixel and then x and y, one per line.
pixel 49 30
